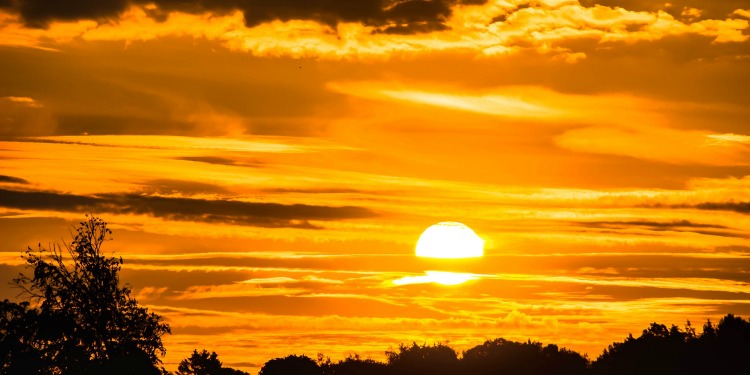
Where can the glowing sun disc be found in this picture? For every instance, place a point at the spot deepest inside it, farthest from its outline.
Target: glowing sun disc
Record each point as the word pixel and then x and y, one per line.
pixel 449 239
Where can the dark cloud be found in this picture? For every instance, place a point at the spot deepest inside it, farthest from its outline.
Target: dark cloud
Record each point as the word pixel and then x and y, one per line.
pixel 183 209
pixel 388 15
pixel 12 180
pixel 38 13
pixel 741 207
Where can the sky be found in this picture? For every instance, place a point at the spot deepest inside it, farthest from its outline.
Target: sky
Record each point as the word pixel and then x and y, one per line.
pixel 267 167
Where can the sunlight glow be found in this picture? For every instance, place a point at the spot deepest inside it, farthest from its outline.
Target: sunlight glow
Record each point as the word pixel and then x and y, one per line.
pixel 449 239
pixel 500 105
pixel 438 277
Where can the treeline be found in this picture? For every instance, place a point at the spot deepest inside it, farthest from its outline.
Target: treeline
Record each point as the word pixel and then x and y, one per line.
pixel 77 319
pixel 659 350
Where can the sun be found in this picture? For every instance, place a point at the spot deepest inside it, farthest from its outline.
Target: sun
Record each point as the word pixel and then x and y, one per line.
pixel 449 239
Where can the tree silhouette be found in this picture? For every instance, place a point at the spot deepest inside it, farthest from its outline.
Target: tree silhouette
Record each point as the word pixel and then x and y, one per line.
pixel 728 350
pixel 353 365
pixel 84 321
pixel 437 359
pixel 291 365
pixel 203 363
pixel 501 356
pixel 719 349
pixel 659 350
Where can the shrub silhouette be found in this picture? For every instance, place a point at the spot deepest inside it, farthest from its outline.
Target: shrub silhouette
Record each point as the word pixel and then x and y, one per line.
pixel 85 321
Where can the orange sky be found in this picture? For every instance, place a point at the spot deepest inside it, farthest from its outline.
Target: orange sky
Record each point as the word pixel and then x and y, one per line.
pixel 267 167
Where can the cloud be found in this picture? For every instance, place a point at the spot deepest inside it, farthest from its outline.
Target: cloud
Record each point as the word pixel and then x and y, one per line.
pixel 24 116
pixel 691 283
pixel 149 293
pixel 238 144
pixel 236 290
pixel 651 224
pixel 372 28
pixel 513 102
pixel 180 187
pixel 313 191
pixel 386 16
pixel 646 142
pixel 438 277
pixel 676 8
pixel 219 160
pixel 740 207
pixel 12 180
pixel 183 209
pixel 658 226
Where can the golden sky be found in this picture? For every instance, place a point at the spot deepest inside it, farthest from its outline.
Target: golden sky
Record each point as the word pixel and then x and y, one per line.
pixel 267 167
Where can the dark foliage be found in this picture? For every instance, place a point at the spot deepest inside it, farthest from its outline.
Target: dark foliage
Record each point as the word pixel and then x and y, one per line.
pixel 83 322
pixel 205 363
